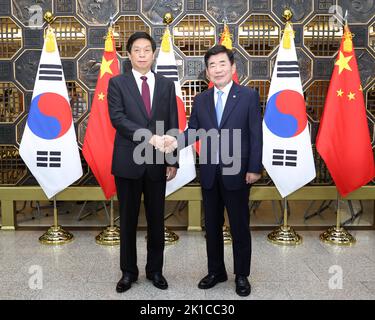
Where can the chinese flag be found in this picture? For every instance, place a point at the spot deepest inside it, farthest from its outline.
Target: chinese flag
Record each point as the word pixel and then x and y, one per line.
pixel 343 139
pixel 100 135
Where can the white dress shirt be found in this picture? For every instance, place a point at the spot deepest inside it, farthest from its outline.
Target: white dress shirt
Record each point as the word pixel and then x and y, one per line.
pixel 225 94
pixel 150 81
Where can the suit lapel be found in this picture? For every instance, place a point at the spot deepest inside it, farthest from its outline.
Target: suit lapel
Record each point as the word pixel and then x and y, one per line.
pixel 232 99
pixel 132 85
pixel 156 94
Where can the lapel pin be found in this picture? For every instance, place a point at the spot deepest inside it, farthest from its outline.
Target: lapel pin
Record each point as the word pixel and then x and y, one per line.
pixel 234 96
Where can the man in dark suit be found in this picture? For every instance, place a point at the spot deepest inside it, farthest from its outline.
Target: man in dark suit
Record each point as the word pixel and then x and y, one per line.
pixel 233 113
pixel 140 100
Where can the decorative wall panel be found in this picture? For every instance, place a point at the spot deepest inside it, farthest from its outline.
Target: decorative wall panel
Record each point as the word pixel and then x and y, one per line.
pixel 256 27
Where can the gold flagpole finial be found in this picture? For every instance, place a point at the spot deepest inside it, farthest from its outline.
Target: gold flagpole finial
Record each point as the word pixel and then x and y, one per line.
pixel 288 31
pixel 49 17
pixel 225 22
pixel 346 18
pixel 287 14
pixel 168 18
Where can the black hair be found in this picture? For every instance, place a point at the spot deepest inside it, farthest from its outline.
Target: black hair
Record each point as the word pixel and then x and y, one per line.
pixel 140 35
pixel 216 50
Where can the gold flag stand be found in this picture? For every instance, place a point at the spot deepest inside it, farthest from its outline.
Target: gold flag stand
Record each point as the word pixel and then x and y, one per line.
pixel 285 235
pixel 336 234
pixel 169 236
pixel 110 236
pixel 56 234
pixel 227 236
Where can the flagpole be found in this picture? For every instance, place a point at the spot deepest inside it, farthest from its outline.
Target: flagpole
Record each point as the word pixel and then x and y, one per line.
pixel 55 212
pixel 111 214
pixel 110 236
pixel 338 215
pixel 170 237
pixel 336 234
pixel 56 234
pixel 285 213
pixel 285 235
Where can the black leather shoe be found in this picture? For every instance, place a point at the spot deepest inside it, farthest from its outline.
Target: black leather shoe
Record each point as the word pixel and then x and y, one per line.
pixel 243 287
pixel 211 280
pixel 158 280
pixel 125 282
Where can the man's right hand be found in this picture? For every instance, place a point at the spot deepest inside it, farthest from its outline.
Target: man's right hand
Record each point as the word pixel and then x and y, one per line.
pixel 164 143
pixel 170 144
pixel 157 142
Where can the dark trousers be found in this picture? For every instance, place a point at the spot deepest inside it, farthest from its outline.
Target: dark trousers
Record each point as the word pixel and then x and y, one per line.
pixel 129 192
pixel 237 205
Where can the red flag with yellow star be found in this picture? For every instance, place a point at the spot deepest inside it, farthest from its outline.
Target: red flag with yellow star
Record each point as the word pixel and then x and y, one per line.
pixel 100 134
pixel 343 139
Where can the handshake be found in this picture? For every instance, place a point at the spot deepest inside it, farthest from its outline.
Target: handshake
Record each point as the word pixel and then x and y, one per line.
pixel 166 143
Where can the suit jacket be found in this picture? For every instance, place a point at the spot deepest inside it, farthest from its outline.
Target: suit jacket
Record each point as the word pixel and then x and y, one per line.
pixel 242 111
pixel 128 114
